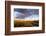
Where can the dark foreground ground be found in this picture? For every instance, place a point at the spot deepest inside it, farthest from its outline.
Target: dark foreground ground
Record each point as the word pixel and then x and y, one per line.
pixel 22 23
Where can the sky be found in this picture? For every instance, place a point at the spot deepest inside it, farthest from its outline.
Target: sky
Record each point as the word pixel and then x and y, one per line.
pixel 28 14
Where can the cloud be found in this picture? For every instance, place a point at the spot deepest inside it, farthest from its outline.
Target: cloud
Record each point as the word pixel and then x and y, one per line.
pixel 29 14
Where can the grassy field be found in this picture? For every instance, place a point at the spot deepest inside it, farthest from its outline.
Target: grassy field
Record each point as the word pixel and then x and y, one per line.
pixel 27 23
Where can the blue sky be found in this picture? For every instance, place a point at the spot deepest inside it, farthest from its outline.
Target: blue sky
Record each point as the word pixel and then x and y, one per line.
pixel 26 13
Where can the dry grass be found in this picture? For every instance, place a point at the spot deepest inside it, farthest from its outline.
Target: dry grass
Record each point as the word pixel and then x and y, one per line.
pixel 25 23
